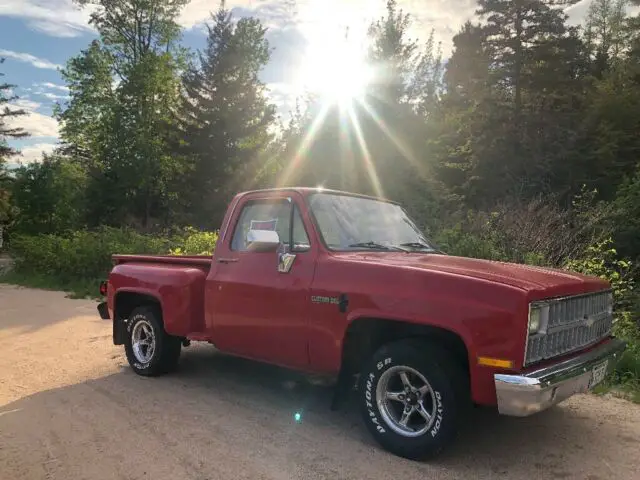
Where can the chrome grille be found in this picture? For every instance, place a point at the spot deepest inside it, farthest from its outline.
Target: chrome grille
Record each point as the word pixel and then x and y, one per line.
pixel 569 324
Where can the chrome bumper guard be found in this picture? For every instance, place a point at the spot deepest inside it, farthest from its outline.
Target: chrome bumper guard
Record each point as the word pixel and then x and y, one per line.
pixel 523 395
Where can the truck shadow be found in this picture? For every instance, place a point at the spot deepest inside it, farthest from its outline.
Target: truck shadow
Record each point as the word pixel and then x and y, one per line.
pixel 486 438
pixel 216 406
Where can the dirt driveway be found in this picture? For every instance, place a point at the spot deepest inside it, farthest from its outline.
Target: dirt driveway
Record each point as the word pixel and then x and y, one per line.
pixel 70 409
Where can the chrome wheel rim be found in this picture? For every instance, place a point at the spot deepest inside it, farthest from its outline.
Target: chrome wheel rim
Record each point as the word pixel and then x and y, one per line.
pixel 406 401
pixel 143 341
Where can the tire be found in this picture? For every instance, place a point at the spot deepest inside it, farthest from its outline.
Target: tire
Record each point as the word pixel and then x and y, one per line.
pixel 145 328
pixel 443 396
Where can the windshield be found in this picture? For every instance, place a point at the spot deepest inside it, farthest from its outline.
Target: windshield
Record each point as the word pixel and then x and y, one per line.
pixel 348 223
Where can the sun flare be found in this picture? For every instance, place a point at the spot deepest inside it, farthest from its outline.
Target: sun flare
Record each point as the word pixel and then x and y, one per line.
pixel 340 75
pixel 334 66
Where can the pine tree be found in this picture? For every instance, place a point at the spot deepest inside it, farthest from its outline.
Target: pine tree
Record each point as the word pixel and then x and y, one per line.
pixel 605 33
pixel 515 28
pixel 515 85
pixel 467 74
pixel 7 131
pixel 225 114
pixel 7 113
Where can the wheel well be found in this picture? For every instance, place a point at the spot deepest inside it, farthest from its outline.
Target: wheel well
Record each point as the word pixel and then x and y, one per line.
pixel 124 304
pixel 365 335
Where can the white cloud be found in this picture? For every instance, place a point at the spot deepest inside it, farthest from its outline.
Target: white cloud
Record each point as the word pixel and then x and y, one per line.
pixel 58 18
pixel 283 96
pixel 53 96
pixel 28 105
pixel 39 125
pixel 60 30
pixel 198 11
pixel 52 86
pixel 35 123
pixel 28 58
pixel 33 153
pixel 578 12
pixel 61 18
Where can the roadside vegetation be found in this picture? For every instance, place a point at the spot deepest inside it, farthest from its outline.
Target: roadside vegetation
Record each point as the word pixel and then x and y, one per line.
pixel 522 146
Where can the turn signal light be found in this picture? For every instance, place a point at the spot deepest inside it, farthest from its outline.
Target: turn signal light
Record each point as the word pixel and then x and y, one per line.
pixel 495 362
pixel 103 288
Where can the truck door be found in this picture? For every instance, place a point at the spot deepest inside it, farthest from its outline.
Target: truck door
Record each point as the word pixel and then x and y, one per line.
pixel 254 308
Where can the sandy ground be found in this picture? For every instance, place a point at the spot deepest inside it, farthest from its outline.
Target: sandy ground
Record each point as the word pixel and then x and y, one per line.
pixel 70 408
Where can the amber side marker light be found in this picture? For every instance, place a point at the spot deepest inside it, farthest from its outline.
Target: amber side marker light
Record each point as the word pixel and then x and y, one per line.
pixel 495 362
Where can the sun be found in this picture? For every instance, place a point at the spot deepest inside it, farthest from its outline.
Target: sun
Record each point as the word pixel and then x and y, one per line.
pixel 334 64
pixel 339 75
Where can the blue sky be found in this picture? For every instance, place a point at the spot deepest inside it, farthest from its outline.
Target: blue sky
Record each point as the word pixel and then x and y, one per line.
pixel 38 36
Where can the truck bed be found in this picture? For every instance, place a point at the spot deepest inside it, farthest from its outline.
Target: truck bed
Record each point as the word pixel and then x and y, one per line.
pixel 196 260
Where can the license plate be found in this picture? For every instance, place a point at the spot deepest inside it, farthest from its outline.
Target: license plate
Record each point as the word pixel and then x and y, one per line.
pixel 598 373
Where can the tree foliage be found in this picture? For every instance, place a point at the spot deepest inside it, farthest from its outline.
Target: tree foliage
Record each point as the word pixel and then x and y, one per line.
pixel 225 114
pixel 525 115
pixel 49 196
pixel 119 121
pixel 8 131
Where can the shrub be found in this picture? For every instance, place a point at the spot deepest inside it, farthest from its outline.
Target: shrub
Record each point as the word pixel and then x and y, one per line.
pixel 460 242
pixel 82 258
pixel 81 255
pixel 195 242
pixel 601 260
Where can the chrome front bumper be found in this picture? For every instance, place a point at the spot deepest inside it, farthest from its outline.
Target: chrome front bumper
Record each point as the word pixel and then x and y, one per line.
pixel 523 395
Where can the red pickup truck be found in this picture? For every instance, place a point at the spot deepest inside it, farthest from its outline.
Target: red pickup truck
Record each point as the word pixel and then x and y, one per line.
pixel 329 282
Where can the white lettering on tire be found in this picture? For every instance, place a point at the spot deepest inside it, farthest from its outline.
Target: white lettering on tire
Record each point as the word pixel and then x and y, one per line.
pixel 384 363
pixel 368 397
pixel 440 410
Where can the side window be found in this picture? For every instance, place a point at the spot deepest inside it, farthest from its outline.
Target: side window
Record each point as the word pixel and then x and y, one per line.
pixel 270 215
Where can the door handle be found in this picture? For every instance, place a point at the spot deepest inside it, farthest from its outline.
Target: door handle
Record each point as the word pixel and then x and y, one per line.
pixel 227 260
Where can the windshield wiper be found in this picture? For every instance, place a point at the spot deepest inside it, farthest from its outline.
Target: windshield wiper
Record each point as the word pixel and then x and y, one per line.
pixel 378 246
pixel 420 245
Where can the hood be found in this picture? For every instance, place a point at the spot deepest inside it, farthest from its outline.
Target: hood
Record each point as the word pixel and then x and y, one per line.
pixel 548 282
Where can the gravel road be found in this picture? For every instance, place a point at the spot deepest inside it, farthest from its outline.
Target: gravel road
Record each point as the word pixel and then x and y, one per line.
pixel 70 408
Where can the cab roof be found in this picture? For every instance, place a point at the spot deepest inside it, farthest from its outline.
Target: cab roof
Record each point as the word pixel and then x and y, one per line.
pixel 306 191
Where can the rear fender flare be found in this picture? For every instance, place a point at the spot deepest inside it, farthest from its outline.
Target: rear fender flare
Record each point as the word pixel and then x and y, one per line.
pixel 146 297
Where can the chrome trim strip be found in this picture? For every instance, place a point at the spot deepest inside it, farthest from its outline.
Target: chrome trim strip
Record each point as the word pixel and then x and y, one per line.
pixel 570 297
pixel 526 340
pixel 577 323
pixel 529 393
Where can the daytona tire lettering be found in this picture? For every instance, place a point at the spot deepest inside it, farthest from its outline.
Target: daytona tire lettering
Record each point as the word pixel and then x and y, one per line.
pixel 368 397
pixel 444 380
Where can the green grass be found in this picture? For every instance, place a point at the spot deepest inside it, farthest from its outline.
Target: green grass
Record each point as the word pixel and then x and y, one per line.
pixel 624 382
pixel 76 289
pixel 629 390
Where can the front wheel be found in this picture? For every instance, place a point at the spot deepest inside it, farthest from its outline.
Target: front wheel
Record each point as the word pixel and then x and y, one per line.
pixel 150 350
pixel 410 396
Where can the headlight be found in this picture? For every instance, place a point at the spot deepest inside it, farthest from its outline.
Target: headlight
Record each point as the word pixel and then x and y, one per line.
pixel 534 319
pixel 538 318
pixel 610 303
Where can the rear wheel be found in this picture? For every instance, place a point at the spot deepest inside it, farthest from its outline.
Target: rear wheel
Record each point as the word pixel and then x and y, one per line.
pixel 410 396
pixel 150 350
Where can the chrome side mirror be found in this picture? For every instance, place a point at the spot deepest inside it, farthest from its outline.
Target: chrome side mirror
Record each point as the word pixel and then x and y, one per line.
pixel 263 241
pixel 285 259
